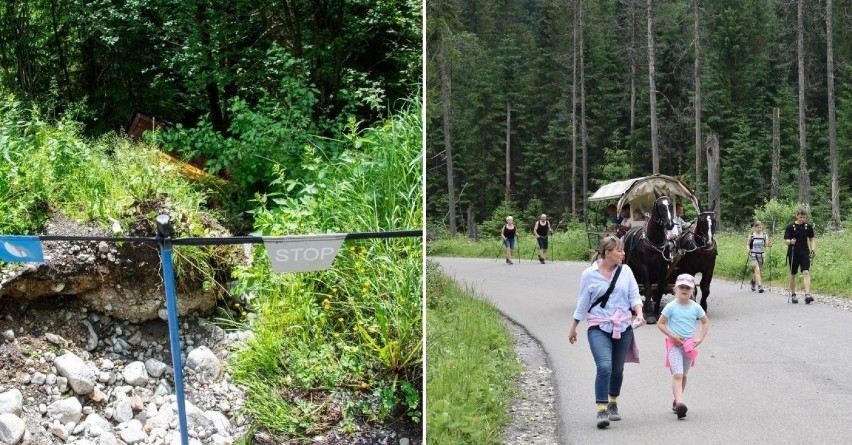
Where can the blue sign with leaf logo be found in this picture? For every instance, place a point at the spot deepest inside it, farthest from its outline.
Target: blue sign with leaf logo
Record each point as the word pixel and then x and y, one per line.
pixel 21 249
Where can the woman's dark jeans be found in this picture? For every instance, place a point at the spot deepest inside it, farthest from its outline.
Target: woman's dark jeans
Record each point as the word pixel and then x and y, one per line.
pixel 609 356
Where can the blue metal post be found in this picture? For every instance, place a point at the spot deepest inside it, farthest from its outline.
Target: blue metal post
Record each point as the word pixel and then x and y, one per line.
pixel 174 337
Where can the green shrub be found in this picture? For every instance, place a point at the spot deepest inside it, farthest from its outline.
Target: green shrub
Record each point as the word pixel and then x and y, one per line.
pixel 351 335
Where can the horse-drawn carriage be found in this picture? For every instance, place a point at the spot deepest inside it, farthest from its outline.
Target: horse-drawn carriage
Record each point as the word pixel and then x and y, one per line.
pixel 654 250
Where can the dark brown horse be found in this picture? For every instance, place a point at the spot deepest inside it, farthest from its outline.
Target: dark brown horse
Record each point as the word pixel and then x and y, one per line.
pixel 698 249
pixel 649 254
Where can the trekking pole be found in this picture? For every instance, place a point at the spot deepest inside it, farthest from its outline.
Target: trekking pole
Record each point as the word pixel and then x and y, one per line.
pixel 501 251
pixel 745 270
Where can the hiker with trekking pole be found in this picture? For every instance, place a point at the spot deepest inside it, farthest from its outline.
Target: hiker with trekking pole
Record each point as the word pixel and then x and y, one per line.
pixel 541 231
pixel 801 248
pixel 756 246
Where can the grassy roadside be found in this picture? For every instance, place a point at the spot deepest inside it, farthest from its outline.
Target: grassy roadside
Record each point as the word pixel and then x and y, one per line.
pixel 829 273
pixel 340 348
pixel 471 365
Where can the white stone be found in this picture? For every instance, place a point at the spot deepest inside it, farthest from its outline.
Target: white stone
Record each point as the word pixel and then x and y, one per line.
pixel 135 374
pixel 80 376
pixel 38 379
pixel 59 431
pixel 204 362
pixel 107 439
pixel 122 410
pixel 222 424
pixel 94 422
pixel 66 410
pixel 12 428
pixel 219 439
pixel 11 402
pixel 155 367
pixel 132 432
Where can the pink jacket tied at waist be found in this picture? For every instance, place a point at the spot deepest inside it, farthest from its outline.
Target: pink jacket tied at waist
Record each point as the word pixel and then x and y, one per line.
pixel 688 349
pixel 617 319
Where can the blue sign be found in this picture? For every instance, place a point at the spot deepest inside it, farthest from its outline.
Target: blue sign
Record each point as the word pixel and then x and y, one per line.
pixel 21 249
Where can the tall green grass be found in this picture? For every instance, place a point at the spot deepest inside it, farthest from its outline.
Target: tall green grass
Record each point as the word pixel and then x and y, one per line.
pixel 50 167
pixel 471 368
pixel 345 344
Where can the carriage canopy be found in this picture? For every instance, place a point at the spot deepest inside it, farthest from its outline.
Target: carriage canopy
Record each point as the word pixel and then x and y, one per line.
pixel 639 192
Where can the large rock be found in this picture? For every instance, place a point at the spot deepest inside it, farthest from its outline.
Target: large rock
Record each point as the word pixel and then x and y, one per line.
pixel 80 375
pixel 66 410
pixel 204 362
pixel 11 402
pixel 12 429
pixel 135 374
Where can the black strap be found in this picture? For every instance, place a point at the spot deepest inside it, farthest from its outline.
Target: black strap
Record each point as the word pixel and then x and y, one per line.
pixel 603 299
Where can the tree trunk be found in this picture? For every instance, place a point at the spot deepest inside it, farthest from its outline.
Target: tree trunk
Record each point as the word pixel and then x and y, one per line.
pixel 713 187
pixel 633 70
pixel 583 136
pixel 471 224
pixel 652 91
pixel 508 150
pixel 804 177
pixel 697 82
pixel 832 119
pixel 211 87
pixel 60 51
pixel 574 116
pixel 776 152
pixel 447 114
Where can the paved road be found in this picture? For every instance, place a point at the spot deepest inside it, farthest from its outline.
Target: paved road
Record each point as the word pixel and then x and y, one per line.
pixel 769 372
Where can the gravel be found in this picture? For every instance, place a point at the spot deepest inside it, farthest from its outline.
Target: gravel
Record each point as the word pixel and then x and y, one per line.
pixel 533 411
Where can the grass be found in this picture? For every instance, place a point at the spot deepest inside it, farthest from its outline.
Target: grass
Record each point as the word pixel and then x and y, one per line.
pixel 471 365
pixel 829 272
pixel 342 346
pixel 49 167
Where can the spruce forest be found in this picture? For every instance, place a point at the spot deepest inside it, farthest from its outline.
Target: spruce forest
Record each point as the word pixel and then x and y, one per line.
pixel 532 105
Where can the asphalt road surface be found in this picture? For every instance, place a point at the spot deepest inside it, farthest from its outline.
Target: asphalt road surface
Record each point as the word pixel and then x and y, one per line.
pixel 768 372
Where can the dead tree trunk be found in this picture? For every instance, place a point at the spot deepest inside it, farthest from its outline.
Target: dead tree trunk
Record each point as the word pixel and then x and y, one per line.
pixel 471 224
pixel 574 118
pixel 583 135
pixel 832 119
pixel 697 81
pixel 776 152
pixel 652 91
pixel 633 70
pixel 713 183
pixel 804 177
pixel 447 114
pixel 508 193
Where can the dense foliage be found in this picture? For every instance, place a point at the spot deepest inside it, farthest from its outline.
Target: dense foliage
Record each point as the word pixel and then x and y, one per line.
pixel 336 347
pixel 247 84
pixel 181 59
pixel 521 52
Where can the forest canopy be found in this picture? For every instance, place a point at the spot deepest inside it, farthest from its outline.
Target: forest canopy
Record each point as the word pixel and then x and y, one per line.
pixel 501 75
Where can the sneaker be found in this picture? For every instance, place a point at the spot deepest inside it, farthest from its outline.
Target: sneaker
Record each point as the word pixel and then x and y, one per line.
pixel 612 411
pixel 793 299
pixel 752 286
pixel 760 289
pixel 509 261
pixel 674 405
pixel 541 259
pixel 680 409
pixel 808 299
pixel 603 419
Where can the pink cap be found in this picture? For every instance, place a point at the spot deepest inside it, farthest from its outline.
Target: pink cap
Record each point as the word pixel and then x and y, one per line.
pixel 685 279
